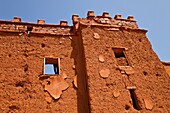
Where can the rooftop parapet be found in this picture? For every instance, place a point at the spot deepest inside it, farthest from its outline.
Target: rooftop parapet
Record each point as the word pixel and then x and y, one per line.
pixel 16 26
pixel 106 20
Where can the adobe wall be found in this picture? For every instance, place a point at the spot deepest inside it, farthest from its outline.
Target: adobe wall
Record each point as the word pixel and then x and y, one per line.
pixel 141 86
pixel 23 84
pixel 105 65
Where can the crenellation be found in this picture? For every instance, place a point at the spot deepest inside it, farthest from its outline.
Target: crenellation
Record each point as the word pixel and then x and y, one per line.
pixel 105 20
pixel 118 16
pixel 116 22
pixel 17 19
pixel 40 27
pixel 63 23
pixel 63 29
pixel 40 21
pixel 106 15
pixel 130 18
pixel 90 14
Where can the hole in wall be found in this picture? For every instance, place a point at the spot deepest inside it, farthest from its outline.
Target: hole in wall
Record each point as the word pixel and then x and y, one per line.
pixel 25 67
pixel 52 66
pixel 9 55
pixel 25 54
pixel 158 74
pixel 12 107
pixel 127 107
pixel 145 73
pixel 42 45
pixel 29 29
pixel 135 100
pixel 120 56
pixel 140 40
pixel 48 82
pixel 20 84
pixel 119 52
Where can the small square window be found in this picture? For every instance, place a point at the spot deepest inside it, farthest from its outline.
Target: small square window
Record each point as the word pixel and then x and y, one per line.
pixel 120 56
pixel 119 52
pixel 52 66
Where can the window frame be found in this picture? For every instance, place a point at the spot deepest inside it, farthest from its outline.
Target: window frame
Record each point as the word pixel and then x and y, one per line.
pixel 52 60
pixel 123 49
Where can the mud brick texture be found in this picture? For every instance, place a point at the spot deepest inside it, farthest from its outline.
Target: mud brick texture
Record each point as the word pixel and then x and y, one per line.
pixel 106 65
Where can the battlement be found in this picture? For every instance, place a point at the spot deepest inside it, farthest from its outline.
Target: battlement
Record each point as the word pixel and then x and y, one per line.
pixel 41 28
pixel 106 20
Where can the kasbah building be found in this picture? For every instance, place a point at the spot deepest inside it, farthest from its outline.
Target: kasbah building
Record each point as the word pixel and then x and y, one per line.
pixel 101 64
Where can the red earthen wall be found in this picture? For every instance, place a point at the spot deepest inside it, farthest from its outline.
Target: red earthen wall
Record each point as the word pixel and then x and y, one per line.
pixel 112 93
pixel 107 65
pixel 22 91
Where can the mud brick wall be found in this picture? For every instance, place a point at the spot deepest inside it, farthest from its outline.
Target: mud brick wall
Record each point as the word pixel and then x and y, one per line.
pixel 22 78
pixel 22 89
pixel 105 65
pixel 121 87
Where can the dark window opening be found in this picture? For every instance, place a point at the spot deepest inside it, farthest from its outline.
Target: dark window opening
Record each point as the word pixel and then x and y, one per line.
pixel 119 52
pixel 120 56
pixel 29 29
pixel 52 66
pixel 136 102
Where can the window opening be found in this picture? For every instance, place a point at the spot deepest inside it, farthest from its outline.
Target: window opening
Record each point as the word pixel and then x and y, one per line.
pixel 29 29
pixel 134 99
pixel 120 56
pixel 52 66
pixel 119 52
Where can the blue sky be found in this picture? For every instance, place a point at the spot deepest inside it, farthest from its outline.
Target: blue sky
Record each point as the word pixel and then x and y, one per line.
pixel 152 15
